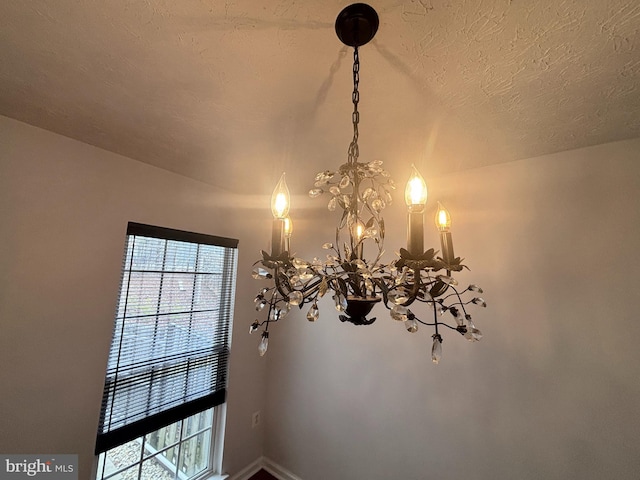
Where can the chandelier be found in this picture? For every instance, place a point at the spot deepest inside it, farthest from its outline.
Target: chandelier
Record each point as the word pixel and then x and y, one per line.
pixel 417 281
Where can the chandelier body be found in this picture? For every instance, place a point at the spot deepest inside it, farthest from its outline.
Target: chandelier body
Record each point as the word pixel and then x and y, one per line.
pixel 360 192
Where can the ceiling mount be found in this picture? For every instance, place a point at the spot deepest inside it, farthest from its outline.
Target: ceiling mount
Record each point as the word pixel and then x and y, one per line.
pixel 357 24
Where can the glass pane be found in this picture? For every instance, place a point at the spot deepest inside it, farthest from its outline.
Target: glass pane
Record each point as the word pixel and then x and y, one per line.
pixel 148 253
pixel 180 256
pixel 177 292
pixel 156 468
pixel 141 293
pixel 211 259
pixel 197 422
pixel 122 456
pixel 162 438
pixel 129 474
pixel 194 455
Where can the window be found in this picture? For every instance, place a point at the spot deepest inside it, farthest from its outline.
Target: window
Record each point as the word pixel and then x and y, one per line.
pixel 165 386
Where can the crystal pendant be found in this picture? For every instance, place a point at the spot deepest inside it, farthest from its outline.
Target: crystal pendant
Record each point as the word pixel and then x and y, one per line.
pixel 327 246
pixel 479 301
pixel 260 305
pixel 332 204
pixel 436 349
pixel 264 344
pixel 300 263
pixel 260 273
pixel 411 326
pixel 398 297
pixel 475 288
pixel 306 275
pixel 344 182
pixel 278 313
pixel 332 261
pixel 341 302
pixel 399 313
pixel 313 313
pixel 315 192
pixel 472 334
pixel 254 326
pixel 295 298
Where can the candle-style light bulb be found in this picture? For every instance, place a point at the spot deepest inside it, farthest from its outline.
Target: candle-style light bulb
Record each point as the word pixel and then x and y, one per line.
pixel 415 196
pixel 280 210
pixel 288 231
pixel 443 223
pixel 280 199
pixel 415 193
pixel 357 235
pixel 288 227
pixel 443 219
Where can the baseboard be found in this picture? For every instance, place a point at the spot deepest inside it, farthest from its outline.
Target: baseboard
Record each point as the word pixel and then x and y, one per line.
pixel 249 471
pixel 278 471
pixel 270 466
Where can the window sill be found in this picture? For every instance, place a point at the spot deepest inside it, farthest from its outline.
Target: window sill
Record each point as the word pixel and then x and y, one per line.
pixel 216 476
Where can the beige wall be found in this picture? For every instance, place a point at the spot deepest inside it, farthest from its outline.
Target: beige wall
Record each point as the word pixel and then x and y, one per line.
pixel 64 208
pixel 551 392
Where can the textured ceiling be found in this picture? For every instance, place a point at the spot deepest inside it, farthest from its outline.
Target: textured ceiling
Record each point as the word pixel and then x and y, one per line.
pixel 232 93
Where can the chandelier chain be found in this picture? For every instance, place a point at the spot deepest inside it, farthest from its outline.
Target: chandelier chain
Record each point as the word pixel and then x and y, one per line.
pixel 354 152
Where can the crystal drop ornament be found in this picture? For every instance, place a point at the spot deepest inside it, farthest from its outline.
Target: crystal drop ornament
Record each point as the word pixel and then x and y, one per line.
pixel 313 313
pixel 436 349
pixel 479 301
pixel 398 297
pixel 411 326
pixel 264 344
pixel 472 334
pixel 341 302
pixel 295 298
pixel 399 313
pixel 260 273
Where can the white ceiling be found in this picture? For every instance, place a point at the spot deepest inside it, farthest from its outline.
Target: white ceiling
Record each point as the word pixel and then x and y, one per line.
pixel 234 92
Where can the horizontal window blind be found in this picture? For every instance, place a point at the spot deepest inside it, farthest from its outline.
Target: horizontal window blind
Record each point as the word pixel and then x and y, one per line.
pixel 170 348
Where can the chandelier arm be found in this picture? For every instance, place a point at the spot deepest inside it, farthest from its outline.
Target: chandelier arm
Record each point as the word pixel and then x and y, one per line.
pixel 435 324
pixel 278 284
